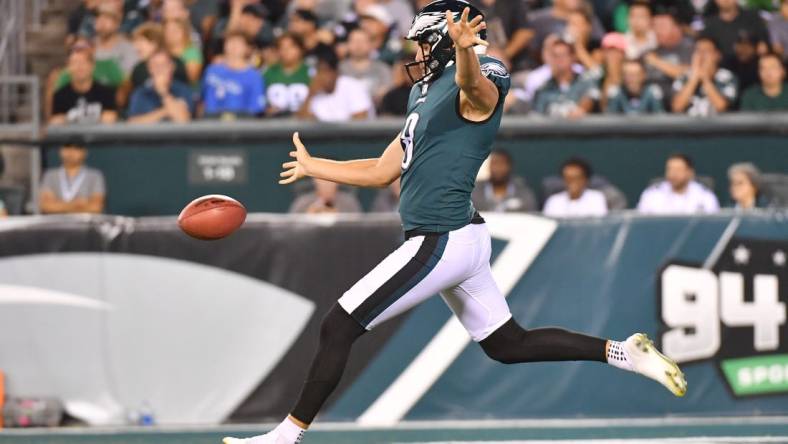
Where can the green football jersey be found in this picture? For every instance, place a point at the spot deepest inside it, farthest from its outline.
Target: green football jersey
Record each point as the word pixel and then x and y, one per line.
pixel 443 151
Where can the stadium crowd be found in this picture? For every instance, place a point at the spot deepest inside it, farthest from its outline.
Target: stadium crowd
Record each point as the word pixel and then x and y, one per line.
pixel 150 61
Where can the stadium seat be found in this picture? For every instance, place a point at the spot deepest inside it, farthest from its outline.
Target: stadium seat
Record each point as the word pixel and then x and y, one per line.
pixel 14 198
pixel 774 187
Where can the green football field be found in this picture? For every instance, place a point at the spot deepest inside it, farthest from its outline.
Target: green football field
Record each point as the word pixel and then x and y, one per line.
pixel 617 431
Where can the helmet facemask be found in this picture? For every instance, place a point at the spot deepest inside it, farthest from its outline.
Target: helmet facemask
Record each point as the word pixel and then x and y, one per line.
pixel 431 66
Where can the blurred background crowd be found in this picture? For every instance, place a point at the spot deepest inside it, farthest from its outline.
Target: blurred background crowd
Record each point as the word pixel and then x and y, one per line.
pixel 149 61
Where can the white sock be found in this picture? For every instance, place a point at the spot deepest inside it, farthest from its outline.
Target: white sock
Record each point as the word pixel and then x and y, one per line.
pixel 290 431
pixel 617 356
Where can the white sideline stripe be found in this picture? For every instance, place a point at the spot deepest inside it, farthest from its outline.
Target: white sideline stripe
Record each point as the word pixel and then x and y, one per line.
pixel 722 242
pixel 509 424
pixel 698 440
pixel 527 235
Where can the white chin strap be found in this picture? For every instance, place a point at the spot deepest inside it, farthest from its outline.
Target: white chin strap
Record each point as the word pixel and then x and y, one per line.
pixel 480 49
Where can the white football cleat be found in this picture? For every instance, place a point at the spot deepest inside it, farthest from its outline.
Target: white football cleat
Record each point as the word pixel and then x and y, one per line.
pixel 272 437
pixel 649 362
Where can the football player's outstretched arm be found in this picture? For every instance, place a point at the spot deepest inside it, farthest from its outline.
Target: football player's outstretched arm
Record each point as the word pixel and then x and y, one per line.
pixel 477 91
pixel 379 172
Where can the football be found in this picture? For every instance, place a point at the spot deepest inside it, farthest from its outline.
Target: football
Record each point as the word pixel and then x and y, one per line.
pixel 212 217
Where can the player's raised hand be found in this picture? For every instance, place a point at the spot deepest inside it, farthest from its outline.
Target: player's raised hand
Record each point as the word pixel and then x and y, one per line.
pixel 295 169
pixel 464 33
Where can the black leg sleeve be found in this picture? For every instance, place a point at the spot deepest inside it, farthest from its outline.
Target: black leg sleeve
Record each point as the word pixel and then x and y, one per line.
pixel 338 332
pixel 511 344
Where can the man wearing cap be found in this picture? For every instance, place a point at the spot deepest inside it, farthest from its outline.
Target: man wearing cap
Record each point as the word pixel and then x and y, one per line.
pixel 73 187
pixel 377 22
pixel 110 43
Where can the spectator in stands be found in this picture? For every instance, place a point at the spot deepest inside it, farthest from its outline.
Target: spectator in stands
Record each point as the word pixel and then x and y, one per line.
pixel 303 24
pixel 706 89
pixel 673 54
pixel 147 39
pixel 233 87
pixel 333 97
pixel 105 71
pixel 679 193
pixel 566 94
pixel 287 80
pixel 778 31
pixel 73 187
pixel 161 98
pixel 745 63
pixel 250 19
pixel 640 38
pixel 110 43
pixel 377 22
pixel 507 29
pixel 745 183
pixel 82 21
pixel 374 74
pixel 578 32
pixel 772 92
pixel 387 199
pixel 634 95
pixel 614 47
pixel 326 198
pixel 83 100
pixel 178 10
pixel 577 200
pixel 541 75
pixel 553 20
pixel 725 26
pixel 504 191
pixel 178 42
pixel 395 101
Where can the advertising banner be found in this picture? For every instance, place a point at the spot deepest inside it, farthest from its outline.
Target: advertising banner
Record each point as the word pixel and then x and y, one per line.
pixel 134 302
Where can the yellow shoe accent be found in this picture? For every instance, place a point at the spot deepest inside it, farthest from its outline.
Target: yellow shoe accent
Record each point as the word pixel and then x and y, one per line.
pixel 649 362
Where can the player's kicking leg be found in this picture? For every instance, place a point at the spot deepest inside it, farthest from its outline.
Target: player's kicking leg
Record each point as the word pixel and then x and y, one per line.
pixel 484 313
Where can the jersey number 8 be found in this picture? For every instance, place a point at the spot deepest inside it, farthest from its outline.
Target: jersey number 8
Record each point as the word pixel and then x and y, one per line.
pixel 406 139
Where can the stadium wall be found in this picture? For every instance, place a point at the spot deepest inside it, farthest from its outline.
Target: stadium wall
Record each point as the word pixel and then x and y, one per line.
pixel 109 312
pixel 177 163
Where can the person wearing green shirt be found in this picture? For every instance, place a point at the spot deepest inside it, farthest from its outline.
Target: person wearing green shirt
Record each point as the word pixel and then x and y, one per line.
pixel 287 81
pixel 771 94
pixel 107 72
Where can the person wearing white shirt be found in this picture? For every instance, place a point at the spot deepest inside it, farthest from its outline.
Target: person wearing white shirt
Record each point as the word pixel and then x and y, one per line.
pixel 578 200
pixel 333 97
pixel 679 193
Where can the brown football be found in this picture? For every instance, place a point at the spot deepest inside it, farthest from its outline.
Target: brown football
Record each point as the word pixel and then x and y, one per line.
pixel 212 217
